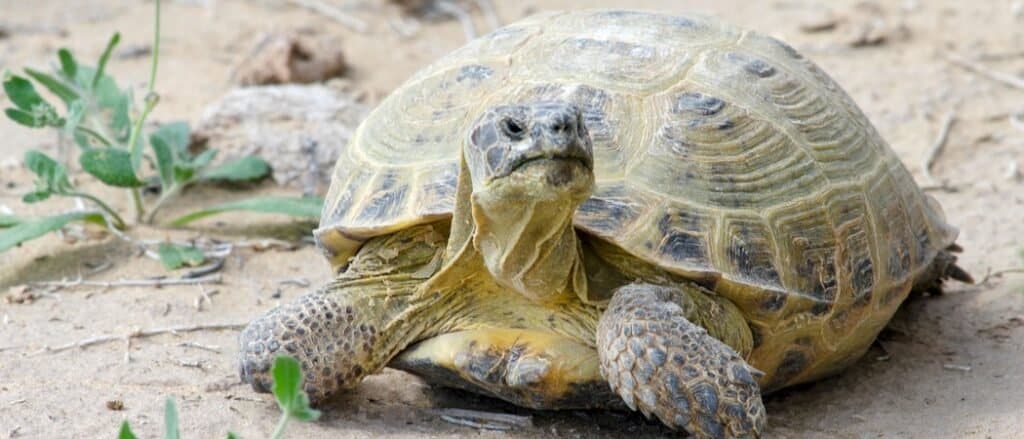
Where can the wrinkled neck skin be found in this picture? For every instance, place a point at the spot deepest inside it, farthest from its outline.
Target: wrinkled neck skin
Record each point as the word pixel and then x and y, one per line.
pixel 521 228
pixel 528 243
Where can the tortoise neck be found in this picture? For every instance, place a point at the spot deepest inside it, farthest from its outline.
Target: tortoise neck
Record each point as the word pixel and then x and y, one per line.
pixel 522 231
pixel 530 246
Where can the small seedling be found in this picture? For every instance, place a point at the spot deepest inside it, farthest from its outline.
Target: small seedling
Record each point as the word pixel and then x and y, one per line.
pixel 99 116
pixel 291 398
pixel 287 389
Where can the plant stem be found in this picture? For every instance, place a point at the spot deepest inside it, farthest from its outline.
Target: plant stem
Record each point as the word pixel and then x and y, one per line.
pixel 156 49
pixel 150 100
pixel 279 430
pixel 95 135
pixel 172 191
pixel 119 223
pixel 133 139
pixel 137 201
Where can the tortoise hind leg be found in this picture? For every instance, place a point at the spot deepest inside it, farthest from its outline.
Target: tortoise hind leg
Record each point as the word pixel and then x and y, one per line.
pixel 535 369
pixel 662 364
pixel 943 267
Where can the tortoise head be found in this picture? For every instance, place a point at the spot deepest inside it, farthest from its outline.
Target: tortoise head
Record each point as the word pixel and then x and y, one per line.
pixel 530 166
pixel 543 139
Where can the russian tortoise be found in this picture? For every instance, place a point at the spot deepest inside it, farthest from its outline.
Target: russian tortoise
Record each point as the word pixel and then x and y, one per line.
pixel 598 208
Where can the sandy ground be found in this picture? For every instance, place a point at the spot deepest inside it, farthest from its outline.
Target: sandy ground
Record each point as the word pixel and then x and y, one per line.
pixel 951 365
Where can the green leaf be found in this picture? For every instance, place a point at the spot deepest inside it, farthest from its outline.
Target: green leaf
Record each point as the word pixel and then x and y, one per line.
pixel 164 161
pixel 58 88
pixel 175 134
pixel 111 166
pixel 22 94
pixel 305 207
pixel 24 118
pixel 204 158
pixel 232 435
pixel 52 176
pixel 175 256
pixel 36 196
pixel 102 64
pixel 109 103
pixel 33 228
pixel 183 174
pixel 246 168
pixel 68 65
pixel 186 169
pixel 170 420
pixel 126 431
pixel 288 389
pixel 9 221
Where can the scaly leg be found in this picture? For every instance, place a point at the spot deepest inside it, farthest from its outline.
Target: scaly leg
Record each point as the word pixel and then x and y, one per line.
pixel 662 364
pixel 353 326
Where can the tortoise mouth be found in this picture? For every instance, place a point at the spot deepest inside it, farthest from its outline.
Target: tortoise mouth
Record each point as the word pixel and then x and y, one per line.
pixel 579 159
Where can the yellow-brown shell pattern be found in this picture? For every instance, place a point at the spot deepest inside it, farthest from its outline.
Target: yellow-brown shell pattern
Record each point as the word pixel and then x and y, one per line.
pixel 719 153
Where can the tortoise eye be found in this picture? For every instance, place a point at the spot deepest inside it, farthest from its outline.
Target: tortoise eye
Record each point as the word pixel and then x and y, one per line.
pixel 513 128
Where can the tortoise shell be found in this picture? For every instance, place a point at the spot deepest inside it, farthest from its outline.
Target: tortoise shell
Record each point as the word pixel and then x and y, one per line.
pixel 720 154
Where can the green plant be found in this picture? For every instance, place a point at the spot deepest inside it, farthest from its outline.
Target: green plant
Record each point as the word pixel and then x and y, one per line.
pixel 291 398
pixel 287 390
pixel 99 116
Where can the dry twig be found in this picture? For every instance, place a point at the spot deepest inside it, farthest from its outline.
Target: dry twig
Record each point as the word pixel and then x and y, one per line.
pixel 140 333
pixel 989 274
pixel 193 364
pixel 460 14
pixel 298 281
pixel 958 367
pixel 485 420
pixel 490 14
pixel 156 283
pixel 333 13
pixel 937 148
pixel 205 270
pixel 1017 120
pixel 1000 77
pixel 192 344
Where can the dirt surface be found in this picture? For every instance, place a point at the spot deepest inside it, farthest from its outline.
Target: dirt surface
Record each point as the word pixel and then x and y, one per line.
pixel 951 365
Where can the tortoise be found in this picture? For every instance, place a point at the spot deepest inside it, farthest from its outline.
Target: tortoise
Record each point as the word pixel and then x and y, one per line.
pixel 612 208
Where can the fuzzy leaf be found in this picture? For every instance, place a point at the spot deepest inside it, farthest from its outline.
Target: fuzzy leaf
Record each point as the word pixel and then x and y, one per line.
pixel 111 105
pixel 305 207
pixel 126 431
pixel 56 86
pixel 288 389
pixel 247 168
pixel 174 256
pixel 164 161
pixel 51 176
pixel 171 420
pixel 68 65
pixel 175 135
pixel 111 166
pixel 203 159
pixel 22 94
pixel 36 196
pixel 24 118
pixel 32 110
pixel 9 221
pixel 102 64
pixel 33 228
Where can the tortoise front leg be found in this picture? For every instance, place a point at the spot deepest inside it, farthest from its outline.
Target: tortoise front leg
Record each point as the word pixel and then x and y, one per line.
pixel 660 363
pixel 353 326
